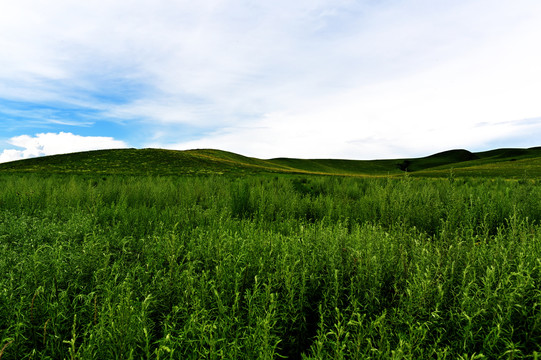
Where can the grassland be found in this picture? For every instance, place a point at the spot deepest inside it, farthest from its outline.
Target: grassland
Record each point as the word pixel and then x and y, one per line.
pixel 267 264
pixel 505 163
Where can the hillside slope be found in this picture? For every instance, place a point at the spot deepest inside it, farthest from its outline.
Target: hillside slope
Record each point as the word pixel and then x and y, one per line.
pixel 143 161
pixel 509 163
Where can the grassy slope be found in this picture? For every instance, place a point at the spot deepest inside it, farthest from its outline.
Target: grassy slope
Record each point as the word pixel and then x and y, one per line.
pixel 510 163
pixel 439 159
pixel 507 163
pixel 342 167
pixel 144 161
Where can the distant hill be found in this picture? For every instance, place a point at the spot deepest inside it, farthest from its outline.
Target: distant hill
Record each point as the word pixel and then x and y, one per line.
pixel 439 159
pixel 507 163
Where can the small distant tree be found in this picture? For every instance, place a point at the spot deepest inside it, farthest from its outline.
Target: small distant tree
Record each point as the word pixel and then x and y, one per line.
pixel 404 165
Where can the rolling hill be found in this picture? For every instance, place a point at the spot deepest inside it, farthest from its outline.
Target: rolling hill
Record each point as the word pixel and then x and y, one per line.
pixel 507 163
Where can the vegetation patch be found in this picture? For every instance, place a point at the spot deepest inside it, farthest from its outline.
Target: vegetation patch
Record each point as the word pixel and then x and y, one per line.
pixel 507 163
pixel 269 266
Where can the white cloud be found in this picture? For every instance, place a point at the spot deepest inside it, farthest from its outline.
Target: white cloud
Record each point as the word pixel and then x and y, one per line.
pixel 408 79
pixel 284 78
pixel 281 135
pixel 52 144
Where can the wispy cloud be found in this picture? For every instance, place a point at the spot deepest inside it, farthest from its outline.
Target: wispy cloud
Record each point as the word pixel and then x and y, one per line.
pixel 282 78
pixel 72 123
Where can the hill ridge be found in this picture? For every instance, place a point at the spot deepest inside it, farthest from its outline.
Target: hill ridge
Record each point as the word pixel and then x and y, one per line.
pixel 152 161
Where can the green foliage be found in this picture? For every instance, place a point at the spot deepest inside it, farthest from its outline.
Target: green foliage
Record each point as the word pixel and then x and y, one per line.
pixel 264 267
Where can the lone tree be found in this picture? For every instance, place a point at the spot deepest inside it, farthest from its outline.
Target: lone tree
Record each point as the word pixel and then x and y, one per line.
pixel 404 165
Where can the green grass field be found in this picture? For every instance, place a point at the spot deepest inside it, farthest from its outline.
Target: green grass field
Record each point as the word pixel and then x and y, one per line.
pixel 269 260
pixel 505 163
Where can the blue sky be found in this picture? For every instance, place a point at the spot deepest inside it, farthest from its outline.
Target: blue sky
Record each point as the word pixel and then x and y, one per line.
pixel 334 79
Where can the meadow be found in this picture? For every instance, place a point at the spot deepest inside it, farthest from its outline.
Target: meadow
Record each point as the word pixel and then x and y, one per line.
pixel 269 266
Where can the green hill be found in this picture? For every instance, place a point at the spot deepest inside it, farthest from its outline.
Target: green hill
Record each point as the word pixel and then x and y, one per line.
pixel 143 162
pixel 505 163
pixel 508 163
pixel 439 159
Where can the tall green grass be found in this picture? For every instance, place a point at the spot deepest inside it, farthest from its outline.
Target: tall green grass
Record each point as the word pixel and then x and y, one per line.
pixel 269 267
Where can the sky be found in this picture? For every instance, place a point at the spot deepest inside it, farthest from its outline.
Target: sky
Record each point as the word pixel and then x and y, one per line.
pixel 364 79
